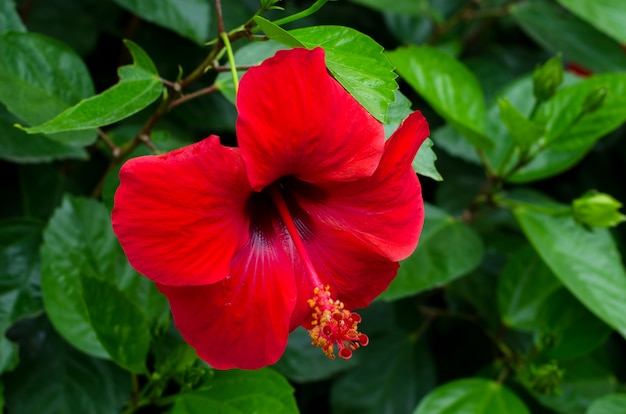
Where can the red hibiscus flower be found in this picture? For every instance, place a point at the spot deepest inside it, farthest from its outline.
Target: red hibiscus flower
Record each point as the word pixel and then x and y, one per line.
pixel 305 219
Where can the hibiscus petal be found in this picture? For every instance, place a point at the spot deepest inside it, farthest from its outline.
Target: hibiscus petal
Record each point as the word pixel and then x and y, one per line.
pixel 181 216
pixel 385 210
pixel 297 120
pixel 241 321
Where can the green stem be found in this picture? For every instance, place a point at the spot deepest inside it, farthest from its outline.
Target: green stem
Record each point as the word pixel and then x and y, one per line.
pixel 231 60
pixel 511 204
pixel 300 15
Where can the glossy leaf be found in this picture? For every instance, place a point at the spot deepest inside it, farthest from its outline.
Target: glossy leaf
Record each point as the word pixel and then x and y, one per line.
pixel 236 392
pixel 120 325
pixel 53 377
pixel 609 404
pixel 17 146
pixel 79 242
pixel 432 264
pixel 577 40
pixel 523 286
pixel 522 130
pixel 188 18
pixel 448 86
pixel 587 262
pixel 608 16
pixel 277 33
pixel 357 62
pixel 138 87
pixel 9 19
pixel 40 78
pixel 395 372
pixel 471 395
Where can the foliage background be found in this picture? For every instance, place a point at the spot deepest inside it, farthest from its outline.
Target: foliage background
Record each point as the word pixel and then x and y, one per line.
pixel 508 305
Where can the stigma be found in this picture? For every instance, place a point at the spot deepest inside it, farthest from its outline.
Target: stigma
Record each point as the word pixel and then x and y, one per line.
pixel 333 328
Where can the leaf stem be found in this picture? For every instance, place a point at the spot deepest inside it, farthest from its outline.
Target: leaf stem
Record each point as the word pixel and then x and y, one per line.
pixel 300 15
pixel 231 60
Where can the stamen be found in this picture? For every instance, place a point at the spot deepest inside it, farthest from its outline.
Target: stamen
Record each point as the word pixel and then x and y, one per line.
pixel 333 326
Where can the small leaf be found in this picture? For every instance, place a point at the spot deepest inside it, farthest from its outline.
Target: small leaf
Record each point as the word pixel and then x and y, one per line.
pixel 448 86
pixel 523 130
pixel 9 19
pixel 471 395
pixel 587 262
pixel 357 62
pixel 138 87
pixel 432 264
pixel 238 392
pixel 609 404
pixel 188 18
pixel 523 286
pixel 41 77
pixel 277 33
pixel 608 16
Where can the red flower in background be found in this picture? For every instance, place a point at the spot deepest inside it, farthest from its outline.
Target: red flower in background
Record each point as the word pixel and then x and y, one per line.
pixel 312 211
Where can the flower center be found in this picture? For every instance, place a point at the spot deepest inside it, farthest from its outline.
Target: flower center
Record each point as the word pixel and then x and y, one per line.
pixel 331 325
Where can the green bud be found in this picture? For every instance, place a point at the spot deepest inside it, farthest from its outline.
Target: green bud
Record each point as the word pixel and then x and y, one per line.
pixel 596 209
pixel 547 78
pixel 546 378
pixel 594 100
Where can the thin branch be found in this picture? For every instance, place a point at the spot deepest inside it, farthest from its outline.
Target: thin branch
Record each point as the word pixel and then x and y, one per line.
pixel 115 150
pixel 193 95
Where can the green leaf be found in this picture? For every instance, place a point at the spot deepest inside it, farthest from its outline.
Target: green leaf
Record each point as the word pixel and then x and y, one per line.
pixel 609 404
pixel 448 86
pixel 424 162
pixel 10 20
pixel 433 263
pixel 138 87
pixel 277 33
pixel 523 286
pixel 357 62
pixel 566 329
pixel 303 362
pixel 53 377
pixel 120 325
pixel 238 392
pixel 471 395
pixel 79 242
pixel 522 130
pixel 41 77
pixel 607 16
pixel 403 7
pixel 585 380
pixel 395 372
pixel 577 40
pixel 587 262
pixel 17 146
pixel 188 18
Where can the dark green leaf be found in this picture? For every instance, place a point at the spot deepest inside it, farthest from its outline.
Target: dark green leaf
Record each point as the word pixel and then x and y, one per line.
pixel 608 16
pixel 404 7
pixel 55 378
pixel 577 40
pixel 238 392
pixel 277 33
pixel 609 404
pixel 188 18
pixel 172 355
pixel 17 146
pixel 523 286
pixel 303 362
pixel 473 395
pixel 138 87
pixel 587 262
pixel 10 20
pixel 79 242
pixel 357 62
pixel 434 262
pixel 395 372
pixel 522 130
pixel 448 86
pixel 120 325
pixel 566 329
pixel 41 77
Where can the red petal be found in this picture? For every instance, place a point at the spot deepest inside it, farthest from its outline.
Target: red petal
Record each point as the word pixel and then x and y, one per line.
pixel 385 210
pixel 241 321
pixel 297 120
pixel 181 216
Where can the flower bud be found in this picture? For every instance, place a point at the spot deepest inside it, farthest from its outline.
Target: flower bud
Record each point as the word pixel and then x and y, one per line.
pixel 546 378
pixel 547 78
pixel 594 100
pixel 595 209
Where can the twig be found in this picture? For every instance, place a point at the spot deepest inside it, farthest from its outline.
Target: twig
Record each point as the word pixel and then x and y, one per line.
pixel 115 150
pixel 190 96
